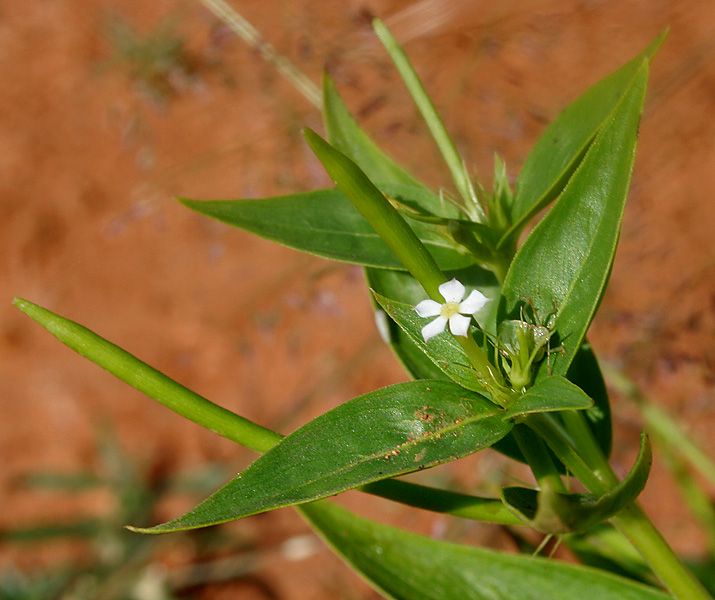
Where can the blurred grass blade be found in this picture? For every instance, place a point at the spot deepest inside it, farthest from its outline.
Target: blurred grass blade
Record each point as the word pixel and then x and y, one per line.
pixel 84 529
pixel 392 431
pixel 562 146
pixel 562 269
pixel 662 425
pixel 324 223
pixel 149 381
pixel 429 114
pixel 550 395
pixel 64 482
pixel 406 566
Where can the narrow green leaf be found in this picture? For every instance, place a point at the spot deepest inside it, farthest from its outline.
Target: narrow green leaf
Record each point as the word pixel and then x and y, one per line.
pixel 378 211
pixel 552 512
pixel 560 272
pixel 429 114
pixel 392 431
pixel 406 566
pixel 466 506
pixel 549 395
pixel 346 135
pixel 325 223
pixel 561 147
pixel 149 381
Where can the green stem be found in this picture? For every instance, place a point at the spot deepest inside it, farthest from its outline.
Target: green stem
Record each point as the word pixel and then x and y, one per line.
pixel 631 521
pixel 536 454
pixel 588 447
pixel 240 430
pixel 639 529
pixel 565 448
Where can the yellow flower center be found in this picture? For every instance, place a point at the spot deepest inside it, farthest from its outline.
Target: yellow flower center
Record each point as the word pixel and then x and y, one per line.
pixel 449 309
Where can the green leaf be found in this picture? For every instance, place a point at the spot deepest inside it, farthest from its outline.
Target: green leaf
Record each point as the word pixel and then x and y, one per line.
pixel 149 381
pixel 560 272
pixel 562 146
pixel 406 566
pixel 325 223
pixel 379 213
pixel 553 512
pixel 549 395
pixel 346 135
pixel 392 431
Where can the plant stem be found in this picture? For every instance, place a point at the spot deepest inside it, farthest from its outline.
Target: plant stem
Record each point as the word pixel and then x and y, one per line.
pixel 597 475
pixel 667 566
pixel 240 430
pixel 536 454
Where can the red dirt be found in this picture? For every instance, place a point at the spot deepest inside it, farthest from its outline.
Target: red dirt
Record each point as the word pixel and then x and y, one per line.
pixel 89 168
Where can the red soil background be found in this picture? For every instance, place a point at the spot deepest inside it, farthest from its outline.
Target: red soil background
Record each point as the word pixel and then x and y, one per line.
pixel 90 167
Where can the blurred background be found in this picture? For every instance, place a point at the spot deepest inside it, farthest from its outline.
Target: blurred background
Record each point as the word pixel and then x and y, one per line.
pixel 109 110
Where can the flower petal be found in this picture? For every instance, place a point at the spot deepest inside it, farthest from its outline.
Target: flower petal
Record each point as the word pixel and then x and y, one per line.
pixel 459 325
pixel 473 303
pixel 428 308
pixel 452 291
pixel 434 328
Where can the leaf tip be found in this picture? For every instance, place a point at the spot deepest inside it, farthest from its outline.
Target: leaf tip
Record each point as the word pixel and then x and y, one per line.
pixel 145 530
pixel 31 309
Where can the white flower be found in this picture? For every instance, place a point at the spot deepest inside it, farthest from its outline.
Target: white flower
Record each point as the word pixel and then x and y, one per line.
pixel 452 311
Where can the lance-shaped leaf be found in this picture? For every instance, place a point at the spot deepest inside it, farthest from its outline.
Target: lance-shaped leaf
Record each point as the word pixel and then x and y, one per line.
pixel 549 395
pixel 553 512
pixel 324 222
pixel 392 431
pixel 562 146
pixel 346 135
pixel 406 566
pixel 562 269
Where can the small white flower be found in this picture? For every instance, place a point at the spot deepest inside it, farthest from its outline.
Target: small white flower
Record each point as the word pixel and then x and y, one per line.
pixel 452 311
